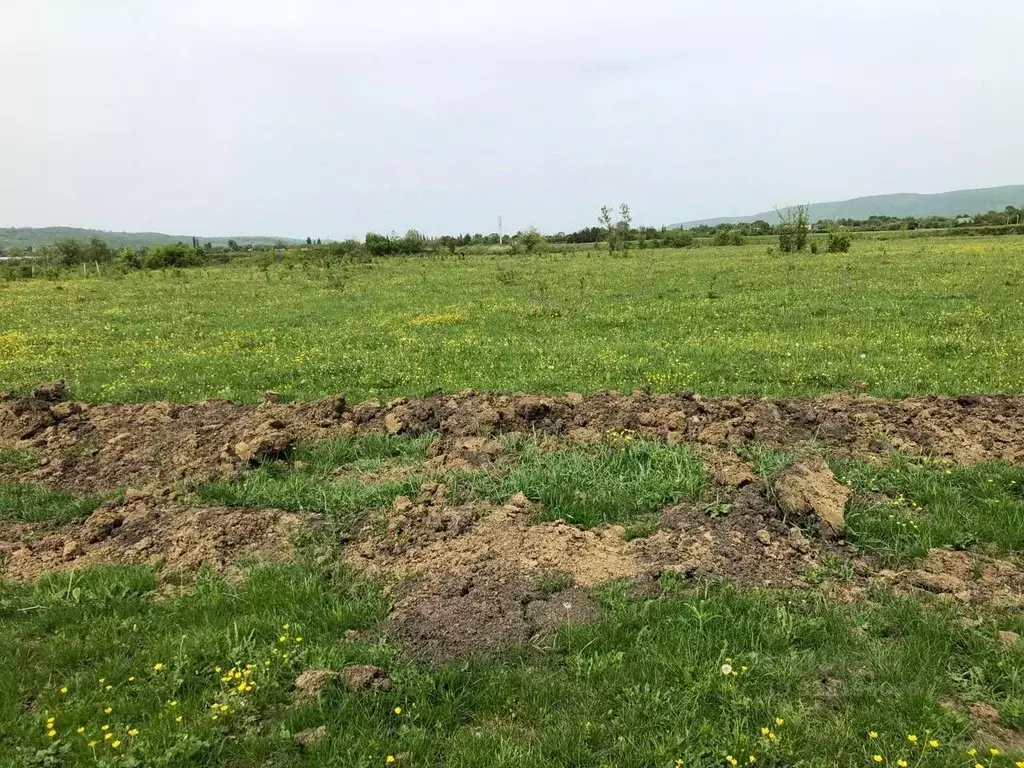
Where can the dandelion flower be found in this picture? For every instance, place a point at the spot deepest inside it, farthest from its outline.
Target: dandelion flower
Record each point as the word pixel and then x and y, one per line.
pixel 993 751
pixel 727 669
pixel 104 727
pixel 51 733
pixel 873 734
pixel 934 744
pixel 398 710
pixel 902 763
pixel 64 689
pixel 158 666
pixel 108 736
pixel 116 743
pixel 878 759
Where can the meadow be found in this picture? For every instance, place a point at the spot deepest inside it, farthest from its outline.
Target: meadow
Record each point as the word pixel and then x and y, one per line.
pixel 915 316
pixel 132 664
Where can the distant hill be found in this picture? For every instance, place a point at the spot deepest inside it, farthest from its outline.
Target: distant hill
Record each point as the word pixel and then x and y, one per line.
pixel 20 237
pixel 901 204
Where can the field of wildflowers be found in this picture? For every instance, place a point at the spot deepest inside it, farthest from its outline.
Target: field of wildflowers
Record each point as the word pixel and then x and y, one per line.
pixel 906 317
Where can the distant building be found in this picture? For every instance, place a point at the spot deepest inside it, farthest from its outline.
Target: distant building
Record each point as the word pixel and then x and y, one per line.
pixel 961 220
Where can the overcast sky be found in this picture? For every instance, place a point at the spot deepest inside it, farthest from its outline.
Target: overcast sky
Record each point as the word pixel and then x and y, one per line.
pixel 333 117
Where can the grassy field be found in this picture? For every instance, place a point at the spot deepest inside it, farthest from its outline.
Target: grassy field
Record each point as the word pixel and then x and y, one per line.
pixel 908 317
pixel 695 675
pixel 120 667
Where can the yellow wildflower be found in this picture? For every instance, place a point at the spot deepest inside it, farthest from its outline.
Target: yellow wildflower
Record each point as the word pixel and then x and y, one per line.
pixel 64 689
pixel 158 666
pixel 51 733
pixel 912 738
pixel 779 721
pixel 390 759
pixel 133 732
pixel 178 719
pixel 398 710
pixel 80 729
pixel 107 710
pixel 116 743
pixel 934 743
pixel 108 736
pixel 873 734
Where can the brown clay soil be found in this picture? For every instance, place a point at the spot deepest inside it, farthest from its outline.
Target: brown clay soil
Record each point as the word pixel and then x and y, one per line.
pixel 475 576
pixel 90 448
pixel 148 530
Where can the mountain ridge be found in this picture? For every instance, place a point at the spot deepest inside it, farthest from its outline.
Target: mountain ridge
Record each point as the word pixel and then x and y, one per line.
pixel 952 203
pixel 21 237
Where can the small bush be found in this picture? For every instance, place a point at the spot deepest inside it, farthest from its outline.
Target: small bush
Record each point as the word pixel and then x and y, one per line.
pixel 838 241
pixel 728 237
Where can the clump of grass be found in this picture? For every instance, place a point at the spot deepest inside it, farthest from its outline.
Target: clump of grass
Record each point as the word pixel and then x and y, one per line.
pixel 363 451
pixel 766 461
pixel 313 488
pixel 552 582
pixel 26 503
pixel 594 485
pixel 18 459
pixel 910 505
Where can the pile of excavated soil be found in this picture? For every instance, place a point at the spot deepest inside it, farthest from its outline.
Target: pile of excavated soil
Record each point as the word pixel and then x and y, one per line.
pixel 470 578
pixel 467 578
pixel 152 531
pixel 89 448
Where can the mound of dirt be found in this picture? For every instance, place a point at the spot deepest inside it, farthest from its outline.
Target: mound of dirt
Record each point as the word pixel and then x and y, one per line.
pixel 966 577
pixel 808 488
pixel 153 531
pixel 469 578
pixel 90 448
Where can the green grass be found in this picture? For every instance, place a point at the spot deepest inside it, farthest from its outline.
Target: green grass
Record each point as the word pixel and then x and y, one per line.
pixel 16 458
pixel 642 686
pixel 313 487
pixel 363 452
pixel 595 485
pixel 907 316
pixel 24 503
pixel 929 505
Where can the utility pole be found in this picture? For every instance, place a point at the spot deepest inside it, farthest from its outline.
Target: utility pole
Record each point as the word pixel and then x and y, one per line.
pixel 500 233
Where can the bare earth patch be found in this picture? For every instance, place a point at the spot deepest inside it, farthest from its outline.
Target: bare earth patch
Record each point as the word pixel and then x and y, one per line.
pixel 152 531
pixel 89 448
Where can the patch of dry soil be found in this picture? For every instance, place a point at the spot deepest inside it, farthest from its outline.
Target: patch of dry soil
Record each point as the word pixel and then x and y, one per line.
pixel 89 448
pixel 153 531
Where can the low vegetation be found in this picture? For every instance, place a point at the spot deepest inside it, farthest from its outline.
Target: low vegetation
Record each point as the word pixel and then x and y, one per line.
pixel 904 317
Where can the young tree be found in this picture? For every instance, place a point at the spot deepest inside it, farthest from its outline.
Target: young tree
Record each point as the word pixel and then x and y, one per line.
pixel 530 240
pixel 617 233
pixel 794 228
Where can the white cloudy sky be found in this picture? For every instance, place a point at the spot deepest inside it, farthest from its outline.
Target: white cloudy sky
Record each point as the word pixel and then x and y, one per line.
pixel 334 117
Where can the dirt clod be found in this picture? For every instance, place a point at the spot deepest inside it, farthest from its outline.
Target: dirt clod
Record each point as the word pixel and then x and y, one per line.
pixel 366 677
pixel 310 737
pixel 51 391
pixel 311 683
pixel 809 488
pixel 983 711
pixel 1008 638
